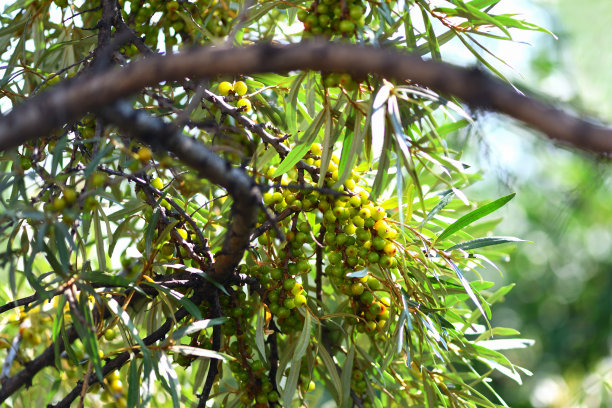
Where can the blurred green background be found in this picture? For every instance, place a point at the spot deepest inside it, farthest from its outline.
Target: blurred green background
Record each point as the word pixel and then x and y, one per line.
pixel 563 293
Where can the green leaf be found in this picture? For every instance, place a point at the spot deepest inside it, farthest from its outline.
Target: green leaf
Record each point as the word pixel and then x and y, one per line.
pixel 197 326
pixel 296 154
pixel 347 371
pixel 100 251
pixel 93 164
pixel 58 153
pixel 179 297
pixel 129 324
pixel 468 289
pixel 168 378
pixel 474 216
pixel 291 103
pixel 506 344
pixel 200 352
pixel 377 122
pixel 259 333
pixel 328 361
pixel 446 198
pixel 298 353
pixel 483 242
pixel 133 395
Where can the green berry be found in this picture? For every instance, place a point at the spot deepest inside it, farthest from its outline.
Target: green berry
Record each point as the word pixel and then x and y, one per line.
pixel 357 288
pixel 346 26
pixel 366 298
pixel 288 284
pixel 356 12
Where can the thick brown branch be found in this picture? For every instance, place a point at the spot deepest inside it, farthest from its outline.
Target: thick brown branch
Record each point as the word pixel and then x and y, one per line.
pixel 69 101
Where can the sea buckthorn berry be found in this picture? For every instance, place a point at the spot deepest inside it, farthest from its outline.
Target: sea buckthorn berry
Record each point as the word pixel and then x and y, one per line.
pixel 245 104
pixel 390 249
pixel 182 233
pixel 316 149
pixel 144 154
pixel 70 196
pixel 300 300
pixel 378 214
pixel 346 26
pixel 288 284
pixel 157 183
pixel 225 88
pixel 366 298
pixel 357 288
pixel 240 88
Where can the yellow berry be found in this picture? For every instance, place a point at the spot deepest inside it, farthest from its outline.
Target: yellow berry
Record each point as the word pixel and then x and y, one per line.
pixel 144 154
pixel 244 103
pixel 225 88
pixel 182 233
pixel 116 386
pixel 240 88
pixel 157 183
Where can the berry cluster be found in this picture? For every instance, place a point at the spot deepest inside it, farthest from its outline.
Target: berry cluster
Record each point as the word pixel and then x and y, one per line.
pixel 250 373
pixel 333 17
pixel 239 89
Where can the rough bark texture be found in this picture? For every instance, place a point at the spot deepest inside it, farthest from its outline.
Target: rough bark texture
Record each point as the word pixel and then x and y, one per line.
pixel 71 100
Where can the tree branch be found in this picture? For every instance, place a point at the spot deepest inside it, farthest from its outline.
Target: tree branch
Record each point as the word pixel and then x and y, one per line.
pixel 72 99
pixel 236 181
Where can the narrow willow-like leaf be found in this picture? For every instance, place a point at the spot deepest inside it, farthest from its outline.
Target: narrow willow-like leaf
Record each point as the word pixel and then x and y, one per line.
pixel 331 370
pixel 133 395
pixel 377 122
pixel 497 331
pixel 483 242
pixel 294 372
pixel 291 103
pixel 179 297
pixel 446 198
pixel 168 378
pixel 358 274
pixel 328 145
pixel 474 216
pixel 129 324
pixel 300 150
pixel 100 250
pixel 506 344
pixel 291 384
pixel 91 166
pixel 99 277
pixel 82 321
pixel 468 289
pixel 58 153
pixel 150 231
pixel 200 352
pixel 347 371
pixel 259 333
pixel 197 326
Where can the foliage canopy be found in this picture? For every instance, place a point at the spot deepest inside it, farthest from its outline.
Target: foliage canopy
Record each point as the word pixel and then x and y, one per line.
pixel 318 253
